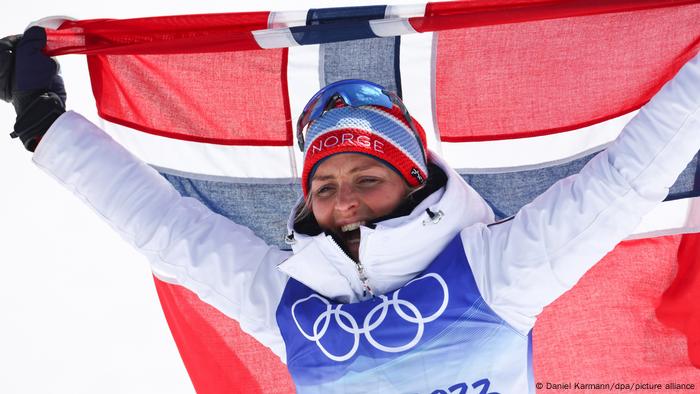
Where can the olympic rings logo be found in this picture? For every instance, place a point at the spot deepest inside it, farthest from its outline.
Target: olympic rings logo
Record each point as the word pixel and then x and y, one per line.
pixel 349 325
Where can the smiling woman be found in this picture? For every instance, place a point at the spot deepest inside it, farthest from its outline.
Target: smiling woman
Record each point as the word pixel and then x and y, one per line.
pixel 352 190
pixel 364 154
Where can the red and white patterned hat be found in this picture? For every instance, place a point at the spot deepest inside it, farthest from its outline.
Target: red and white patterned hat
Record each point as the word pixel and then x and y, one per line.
pixel 379 132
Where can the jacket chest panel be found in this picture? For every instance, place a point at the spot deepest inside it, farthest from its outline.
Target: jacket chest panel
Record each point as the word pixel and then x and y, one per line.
pixel 329 342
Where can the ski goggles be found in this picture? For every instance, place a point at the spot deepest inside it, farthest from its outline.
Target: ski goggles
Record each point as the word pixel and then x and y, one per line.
pixel 353 93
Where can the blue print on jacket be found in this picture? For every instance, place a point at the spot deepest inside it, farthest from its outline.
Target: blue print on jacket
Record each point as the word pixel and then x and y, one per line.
pixel 433 333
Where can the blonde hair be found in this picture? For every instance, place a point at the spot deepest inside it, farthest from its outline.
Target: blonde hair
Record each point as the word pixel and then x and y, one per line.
pixel 304 210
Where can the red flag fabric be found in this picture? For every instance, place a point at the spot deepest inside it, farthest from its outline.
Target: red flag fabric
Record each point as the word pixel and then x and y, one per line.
pixel 206 97
pixel 604 66
pixel 219 357
pixel 679 308
pixel 605 331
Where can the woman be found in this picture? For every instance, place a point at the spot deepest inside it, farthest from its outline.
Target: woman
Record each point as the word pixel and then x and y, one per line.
pixel 398 280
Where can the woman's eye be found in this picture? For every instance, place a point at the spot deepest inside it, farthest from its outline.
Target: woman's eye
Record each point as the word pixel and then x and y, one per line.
pixel 324 190
pixel 368 181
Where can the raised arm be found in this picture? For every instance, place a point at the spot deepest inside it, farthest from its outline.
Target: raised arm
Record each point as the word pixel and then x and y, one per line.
pixel 225 264
pixel 524 264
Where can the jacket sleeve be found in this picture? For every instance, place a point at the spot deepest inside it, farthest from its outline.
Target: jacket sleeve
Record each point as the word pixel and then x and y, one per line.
pixel 225 264
pixel 524 264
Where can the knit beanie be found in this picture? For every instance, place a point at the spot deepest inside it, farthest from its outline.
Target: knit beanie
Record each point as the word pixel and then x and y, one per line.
pixel 379 132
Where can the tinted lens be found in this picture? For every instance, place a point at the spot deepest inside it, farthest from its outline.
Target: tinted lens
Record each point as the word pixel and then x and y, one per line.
pixel 354 92
pixel 357 95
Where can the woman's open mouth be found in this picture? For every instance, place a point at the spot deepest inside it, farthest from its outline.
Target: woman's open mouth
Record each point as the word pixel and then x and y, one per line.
pixel 351 232
pixel 351 226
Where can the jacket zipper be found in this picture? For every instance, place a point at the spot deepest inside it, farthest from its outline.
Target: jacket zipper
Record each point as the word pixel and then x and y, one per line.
pixel 366 288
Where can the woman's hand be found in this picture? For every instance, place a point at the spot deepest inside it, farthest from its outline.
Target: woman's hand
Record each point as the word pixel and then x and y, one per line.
pixel 7 65
pixel 30 81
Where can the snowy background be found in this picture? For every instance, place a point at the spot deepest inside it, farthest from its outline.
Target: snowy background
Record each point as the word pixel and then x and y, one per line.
pixel 78 308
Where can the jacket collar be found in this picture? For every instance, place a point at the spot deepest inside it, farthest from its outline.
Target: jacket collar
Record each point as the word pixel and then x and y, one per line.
pixel 393 252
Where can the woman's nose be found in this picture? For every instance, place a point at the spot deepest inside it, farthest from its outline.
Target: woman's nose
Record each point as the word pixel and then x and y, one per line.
pixel 346 198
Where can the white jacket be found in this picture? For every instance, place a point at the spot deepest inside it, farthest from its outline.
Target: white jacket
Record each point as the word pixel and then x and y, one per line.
pixel 519 265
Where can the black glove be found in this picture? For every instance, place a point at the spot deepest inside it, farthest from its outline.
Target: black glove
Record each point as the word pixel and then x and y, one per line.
pixel 30 80
pixel 7 65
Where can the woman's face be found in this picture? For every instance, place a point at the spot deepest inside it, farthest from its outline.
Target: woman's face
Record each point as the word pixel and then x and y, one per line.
pixel 351 189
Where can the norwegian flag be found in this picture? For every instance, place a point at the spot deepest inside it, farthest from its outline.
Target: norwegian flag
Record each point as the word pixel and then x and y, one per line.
pixel 514 95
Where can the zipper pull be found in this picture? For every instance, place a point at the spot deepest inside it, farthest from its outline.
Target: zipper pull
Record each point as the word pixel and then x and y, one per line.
pixel 364 279
pixel 435 217
pixel 289 239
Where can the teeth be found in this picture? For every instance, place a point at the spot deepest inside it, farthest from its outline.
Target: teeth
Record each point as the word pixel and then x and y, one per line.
pixel 351 226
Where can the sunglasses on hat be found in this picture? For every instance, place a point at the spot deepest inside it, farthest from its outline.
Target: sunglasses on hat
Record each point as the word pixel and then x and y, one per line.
pixel 353 93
